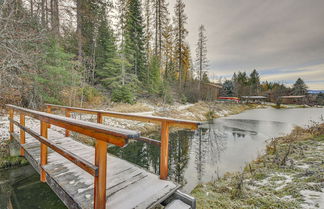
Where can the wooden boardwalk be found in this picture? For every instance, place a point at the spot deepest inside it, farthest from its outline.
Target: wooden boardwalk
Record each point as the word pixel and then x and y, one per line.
pixel 86 177
pixel 128 186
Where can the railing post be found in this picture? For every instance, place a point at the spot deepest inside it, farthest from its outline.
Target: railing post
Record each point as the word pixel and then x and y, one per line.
pixel 99 117
pixel 48 110
pixel 100 180
pixel 11 125
pixel 43 155
pixel 67 114
pixel 22 134
pixel 164 151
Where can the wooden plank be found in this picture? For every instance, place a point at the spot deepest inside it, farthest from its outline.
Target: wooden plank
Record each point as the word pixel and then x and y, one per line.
pixel 131 116
pixel 115 136
pixel 85 165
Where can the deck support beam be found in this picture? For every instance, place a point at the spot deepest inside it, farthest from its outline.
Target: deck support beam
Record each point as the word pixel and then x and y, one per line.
pixel 100 180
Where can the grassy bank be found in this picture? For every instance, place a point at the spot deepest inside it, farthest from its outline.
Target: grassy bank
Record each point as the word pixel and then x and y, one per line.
pixel 289 175
pixel 7 161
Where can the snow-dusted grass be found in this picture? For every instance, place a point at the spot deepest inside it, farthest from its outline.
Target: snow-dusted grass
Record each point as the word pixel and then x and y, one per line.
pixel 289 175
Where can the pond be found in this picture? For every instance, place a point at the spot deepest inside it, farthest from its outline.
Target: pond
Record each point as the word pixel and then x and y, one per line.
pixel 20 188
pixel 223 145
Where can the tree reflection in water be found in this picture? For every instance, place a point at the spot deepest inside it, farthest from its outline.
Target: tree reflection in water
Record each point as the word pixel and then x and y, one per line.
pixel 209 143
pixel 206 144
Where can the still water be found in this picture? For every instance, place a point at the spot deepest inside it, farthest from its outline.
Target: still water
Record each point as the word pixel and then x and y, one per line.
pixel 223 145
pixel 20 188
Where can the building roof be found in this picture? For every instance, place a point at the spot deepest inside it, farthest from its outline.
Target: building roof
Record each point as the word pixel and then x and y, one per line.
pixel 217 85
pixel 254 97
pixel 292 97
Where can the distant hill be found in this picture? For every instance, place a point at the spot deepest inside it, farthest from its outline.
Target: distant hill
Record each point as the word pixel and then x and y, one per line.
pixel 315 91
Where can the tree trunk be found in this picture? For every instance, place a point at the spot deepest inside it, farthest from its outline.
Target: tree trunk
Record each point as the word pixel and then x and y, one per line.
pixel 79 34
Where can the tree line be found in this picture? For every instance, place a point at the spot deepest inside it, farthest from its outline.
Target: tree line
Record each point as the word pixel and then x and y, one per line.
pixel 244 84
pixel 73 50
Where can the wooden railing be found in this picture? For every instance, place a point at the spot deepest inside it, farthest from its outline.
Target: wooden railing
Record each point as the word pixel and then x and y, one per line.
pixel 164 122
pixel 102 134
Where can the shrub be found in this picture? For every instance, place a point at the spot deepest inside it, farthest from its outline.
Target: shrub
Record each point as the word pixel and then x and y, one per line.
pixel 123 94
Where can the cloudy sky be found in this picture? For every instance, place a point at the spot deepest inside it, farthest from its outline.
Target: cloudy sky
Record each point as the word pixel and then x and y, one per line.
pixel 282 39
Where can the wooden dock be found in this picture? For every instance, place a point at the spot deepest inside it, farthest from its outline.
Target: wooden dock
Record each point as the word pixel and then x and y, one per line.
pixel 67 165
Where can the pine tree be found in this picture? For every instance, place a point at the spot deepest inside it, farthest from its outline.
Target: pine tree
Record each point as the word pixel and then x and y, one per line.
pixel 107 60
pixel 55 73
pixel 87 22
pixel 148 27
pixel 254 82
pixel 181 32
pixel 121 9
pixel 201 54
pixel 299 88
pixel 168 54
pixel 160 23
pixel 134 48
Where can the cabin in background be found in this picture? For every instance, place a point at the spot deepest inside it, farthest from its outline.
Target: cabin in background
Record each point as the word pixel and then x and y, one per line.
pixel 299 99
pixel 210 91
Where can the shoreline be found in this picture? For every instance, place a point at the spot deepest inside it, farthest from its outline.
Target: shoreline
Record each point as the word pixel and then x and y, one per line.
pixel 289 175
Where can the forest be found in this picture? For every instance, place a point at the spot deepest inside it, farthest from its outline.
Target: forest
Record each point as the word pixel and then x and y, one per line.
pixel 86 51
pixel 90 52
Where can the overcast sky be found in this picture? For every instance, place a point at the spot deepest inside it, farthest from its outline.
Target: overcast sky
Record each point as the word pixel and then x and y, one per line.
pixel 282 39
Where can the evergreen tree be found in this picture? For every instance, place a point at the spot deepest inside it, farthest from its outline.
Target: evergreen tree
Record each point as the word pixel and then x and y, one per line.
pixel 241 83
pixel 148 27
pixel 320 99
pixel 134 48
pixel 254 82
pixel 180 19
pixel 201 53
pixel 168 54
pixel 87 19
pixel 55 73
pixel 107 60
pixel 160 23
pixel 299 88
pixel 227 88
pixel 154 79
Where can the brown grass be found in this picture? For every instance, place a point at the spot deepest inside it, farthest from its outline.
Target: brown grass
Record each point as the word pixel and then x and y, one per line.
pixel 128 108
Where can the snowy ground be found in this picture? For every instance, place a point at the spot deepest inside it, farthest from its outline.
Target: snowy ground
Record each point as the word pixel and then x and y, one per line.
pixel 271 182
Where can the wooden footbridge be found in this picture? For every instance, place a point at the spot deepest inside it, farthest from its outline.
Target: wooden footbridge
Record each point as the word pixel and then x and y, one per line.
pixel 86 177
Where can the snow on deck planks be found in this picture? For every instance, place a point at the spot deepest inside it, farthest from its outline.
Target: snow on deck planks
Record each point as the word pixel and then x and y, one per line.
pixel 128 186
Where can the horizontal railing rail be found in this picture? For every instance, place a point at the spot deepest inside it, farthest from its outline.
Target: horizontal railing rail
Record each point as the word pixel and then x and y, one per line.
pixel 130 116
pixel 85 165
pixel 164 122
pixel 102 135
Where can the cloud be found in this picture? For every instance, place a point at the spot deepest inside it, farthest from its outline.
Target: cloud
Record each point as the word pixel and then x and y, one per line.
pixel 273 36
